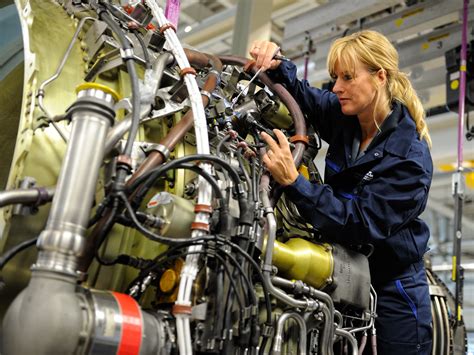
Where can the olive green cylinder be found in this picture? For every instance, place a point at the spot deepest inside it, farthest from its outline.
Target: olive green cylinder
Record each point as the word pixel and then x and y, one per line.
pixel 300 259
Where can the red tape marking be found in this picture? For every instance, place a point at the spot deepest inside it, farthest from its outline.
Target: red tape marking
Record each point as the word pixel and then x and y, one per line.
pixel 131 338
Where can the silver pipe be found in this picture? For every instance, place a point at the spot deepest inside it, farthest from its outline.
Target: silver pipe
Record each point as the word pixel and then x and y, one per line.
pixel 279 332
pixel 61 65
pixel 158 68
pixel 327 336
pixel 352 340
pixel 48 81
pixel 118 131
pixel 25 196
pixel 328 309
pixel 155 75
pixel 62 242
pixel 49 312
pixel 308 304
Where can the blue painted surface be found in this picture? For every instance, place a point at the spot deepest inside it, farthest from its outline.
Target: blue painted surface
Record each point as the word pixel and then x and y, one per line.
pixel 11 43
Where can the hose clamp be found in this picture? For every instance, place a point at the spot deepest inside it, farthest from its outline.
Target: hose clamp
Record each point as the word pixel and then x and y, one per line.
pixel 127 54
pixel 160 148
pixel 206 93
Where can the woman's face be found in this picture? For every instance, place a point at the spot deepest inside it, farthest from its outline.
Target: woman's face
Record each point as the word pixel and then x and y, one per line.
pixel 356 94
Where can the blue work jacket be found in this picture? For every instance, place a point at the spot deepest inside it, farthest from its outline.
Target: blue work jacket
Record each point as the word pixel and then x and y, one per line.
pixel 375 199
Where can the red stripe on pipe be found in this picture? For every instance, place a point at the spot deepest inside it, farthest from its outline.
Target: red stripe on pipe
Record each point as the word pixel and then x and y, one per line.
pixel 131 338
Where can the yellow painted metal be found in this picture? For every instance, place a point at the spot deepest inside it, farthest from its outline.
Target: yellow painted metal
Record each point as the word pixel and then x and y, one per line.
pixel 279 118
pixel 300 259
pixel 168 280
pixel 104 88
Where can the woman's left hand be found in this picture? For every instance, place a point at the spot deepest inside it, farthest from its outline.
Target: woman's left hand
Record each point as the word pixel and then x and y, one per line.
pixel 278 159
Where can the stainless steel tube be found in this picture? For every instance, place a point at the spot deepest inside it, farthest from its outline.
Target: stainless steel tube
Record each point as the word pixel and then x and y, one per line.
pixel 12 197
pixel 352 340
pixel 327 333
pixel 62 242
pixel 310 305
pixel 279 332
pixel 49 316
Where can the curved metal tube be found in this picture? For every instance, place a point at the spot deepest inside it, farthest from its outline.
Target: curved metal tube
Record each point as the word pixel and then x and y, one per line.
pixel 328 310
pixel 156 74
pixel 310 305
pixel 191 267
pixel 279 332
pixel 26 196
pixel 57 73
pixel 345 334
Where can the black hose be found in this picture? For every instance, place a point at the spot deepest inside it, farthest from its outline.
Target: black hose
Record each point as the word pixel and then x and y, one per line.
pixel 132 72
pixel 146 55
pixel 7 256
pixel 188 158
pixel 143 189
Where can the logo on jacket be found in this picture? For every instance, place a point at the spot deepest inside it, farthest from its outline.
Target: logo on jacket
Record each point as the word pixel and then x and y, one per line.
pixel 368 177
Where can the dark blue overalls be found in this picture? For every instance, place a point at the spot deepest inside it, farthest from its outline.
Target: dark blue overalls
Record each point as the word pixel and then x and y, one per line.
pixel 374 199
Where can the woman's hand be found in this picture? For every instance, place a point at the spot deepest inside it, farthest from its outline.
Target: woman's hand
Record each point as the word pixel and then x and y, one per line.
pixel 278 158
pixel 263 52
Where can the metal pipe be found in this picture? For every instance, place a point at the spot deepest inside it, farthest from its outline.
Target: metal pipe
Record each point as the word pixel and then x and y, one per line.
pixel 48 81
pixel 49 312
pixel 308 304
pixel 191 267
pixel 279 332
pixel 352 340
pixel 327 332
pixel 62 242
pixel 459 179
pixel 26 196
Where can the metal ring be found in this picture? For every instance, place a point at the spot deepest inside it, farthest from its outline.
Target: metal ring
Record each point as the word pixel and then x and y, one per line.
pixel 127 53
pixel 160 148
pixel 206 93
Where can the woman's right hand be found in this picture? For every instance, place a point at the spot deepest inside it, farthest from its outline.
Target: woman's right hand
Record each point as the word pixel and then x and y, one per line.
pixel 263 52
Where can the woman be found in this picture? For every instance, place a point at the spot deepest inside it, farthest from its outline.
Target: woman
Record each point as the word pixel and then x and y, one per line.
pixel 377 177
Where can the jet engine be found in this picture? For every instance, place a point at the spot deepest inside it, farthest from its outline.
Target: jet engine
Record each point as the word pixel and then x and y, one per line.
pixel 138 217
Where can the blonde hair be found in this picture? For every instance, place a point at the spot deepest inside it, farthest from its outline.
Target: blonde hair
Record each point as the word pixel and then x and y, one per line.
pixel 375 51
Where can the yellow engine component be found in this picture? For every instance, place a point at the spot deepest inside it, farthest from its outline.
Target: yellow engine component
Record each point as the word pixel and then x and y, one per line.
pixel 169 282
pixel 302 260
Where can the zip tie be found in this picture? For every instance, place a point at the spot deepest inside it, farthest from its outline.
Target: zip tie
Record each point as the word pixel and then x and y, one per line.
pixel 203 208
pixel 167 26
pixel 181 309
pixel 299 138
pixel 200 226
pixel 188 70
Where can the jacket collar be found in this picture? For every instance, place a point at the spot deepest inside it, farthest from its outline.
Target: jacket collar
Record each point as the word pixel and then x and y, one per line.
pixel 397 134
pixel 400 141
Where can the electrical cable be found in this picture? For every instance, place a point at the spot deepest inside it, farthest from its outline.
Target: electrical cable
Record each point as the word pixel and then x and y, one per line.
pixel 101 238
pixel 146 55
pixel 244 171
pixel 240 301
pixel 129 61
pixel 188 158
pixel 221 144
pixel 260 276
pixel 8 255
pixel 143 189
